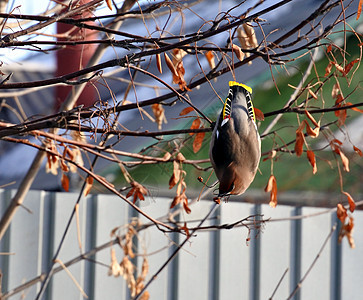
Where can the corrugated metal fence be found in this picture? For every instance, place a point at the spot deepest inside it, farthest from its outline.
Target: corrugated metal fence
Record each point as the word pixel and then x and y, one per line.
pixel 214 265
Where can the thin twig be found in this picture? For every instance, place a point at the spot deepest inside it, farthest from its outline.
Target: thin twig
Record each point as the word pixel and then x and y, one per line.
pixel 72 278
pixel 279 283
pixel 293 97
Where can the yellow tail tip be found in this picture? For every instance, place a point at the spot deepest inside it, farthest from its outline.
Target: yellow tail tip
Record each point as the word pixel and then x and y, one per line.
pixel 247 88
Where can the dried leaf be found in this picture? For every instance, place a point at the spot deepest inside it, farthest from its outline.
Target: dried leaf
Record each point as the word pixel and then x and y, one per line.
pixel 328 49
pixel 180 186
pixel 180 157
pixel 300 139
pixel 115 269
pixel 355 108
pixel 185 206
pixel 335 145
pixel 301 126
pixel 131 191
pixel 170 65
pixel 181 197
pixel 65 182
pixel 195 125
pixel 127 247
pixel 198 141
pixel 89 183
pixel 243 39
pixel 328 68
pixel 337 112
pixel 347 230
pixel 186 111
pixel 178 76
pixel 78 136
pixel 145 296
pixel 158 63
pixel 67 151
pixel 159 114
pixel 342 116
pixel 210 58
pixel 271 155
pixel 174 179
pixel 312 94
pixel 359 11
pixel 358 151
pixel 109 4
pixel 113 231
pixel 176 201
pixel 237 50
pixel 144 268
pixel 311 118
pixel 138 190
pixel 166 156
pixel 345 161
pixel 53 164
pixel 259 114
pixel 349 66
pixel 350 201
pixel 127 269
pixel 335 91
pixel 178 55
pixel 77 158
pixel 63 165
pixel 311 157
pixel 312 132
pixel 336 142
pixel 138 195
pixel 181 82
pixel 271 187
pixel 185 228
pixel 341 213
pixel 339 68
pixel 339 100
pixel 250 32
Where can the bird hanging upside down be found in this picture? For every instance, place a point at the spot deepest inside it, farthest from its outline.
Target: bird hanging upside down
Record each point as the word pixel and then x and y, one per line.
pixel 235 148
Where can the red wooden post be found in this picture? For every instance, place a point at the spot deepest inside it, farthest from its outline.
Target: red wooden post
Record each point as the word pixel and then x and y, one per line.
pixel 74 58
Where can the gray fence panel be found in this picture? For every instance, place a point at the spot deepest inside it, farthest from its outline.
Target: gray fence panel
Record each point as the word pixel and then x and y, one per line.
pixel 26 243
pixel 275 252
pixel 352 262
pixel 214 265
pixel 314 232
pixel 234 253
pixel 111 213
pixel 195 269
pixel 152 241
pixel 64 205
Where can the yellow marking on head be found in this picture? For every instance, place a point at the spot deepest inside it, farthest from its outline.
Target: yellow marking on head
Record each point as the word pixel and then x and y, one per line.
pixel 247 88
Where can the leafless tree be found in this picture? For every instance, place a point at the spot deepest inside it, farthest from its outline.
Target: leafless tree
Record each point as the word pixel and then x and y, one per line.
pixel 171 61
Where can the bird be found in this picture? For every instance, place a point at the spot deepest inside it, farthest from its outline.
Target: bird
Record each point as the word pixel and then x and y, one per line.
pixel 235 147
